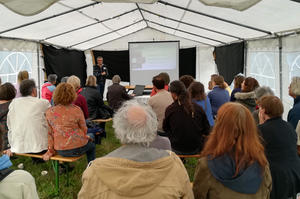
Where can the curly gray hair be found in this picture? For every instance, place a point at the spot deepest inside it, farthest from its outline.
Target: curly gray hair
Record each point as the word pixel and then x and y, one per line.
pixel 295 86
pixel 135 123
pixel 263 91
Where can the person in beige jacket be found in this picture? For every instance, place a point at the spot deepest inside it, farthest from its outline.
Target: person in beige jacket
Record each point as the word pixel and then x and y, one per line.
pixel 136 170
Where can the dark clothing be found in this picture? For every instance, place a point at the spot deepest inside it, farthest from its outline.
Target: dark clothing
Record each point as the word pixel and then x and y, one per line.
pixel 81 102
pixel 93 99
pixel 280 145
pixel 294 113
pixel 236 90
pixel 3 124
pixel 97 71
pixel 247 99
pixel 116 95
pixel 186 133
pixel 218 97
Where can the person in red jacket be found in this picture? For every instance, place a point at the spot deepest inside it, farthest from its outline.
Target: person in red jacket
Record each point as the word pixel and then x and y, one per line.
pixel 49 87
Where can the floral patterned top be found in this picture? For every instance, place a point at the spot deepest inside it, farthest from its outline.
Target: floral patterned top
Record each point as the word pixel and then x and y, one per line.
pixel 67 128
pixel 3 124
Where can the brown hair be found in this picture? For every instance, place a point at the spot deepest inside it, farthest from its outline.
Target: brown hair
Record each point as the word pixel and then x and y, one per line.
pixel 158 82
pixel 250 84
pixel 219 81
pixel 186 80
pixel 91 81
pixel 238 80
pixel 235 134
pixel 7 91
pixel 196 90
pixel 165 76
pixel 22 75
pixel 272 105
pixel 64 94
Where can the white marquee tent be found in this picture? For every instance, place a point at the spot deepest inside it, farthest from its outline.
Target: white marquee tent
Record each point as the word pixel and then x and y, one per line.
pixel 270 28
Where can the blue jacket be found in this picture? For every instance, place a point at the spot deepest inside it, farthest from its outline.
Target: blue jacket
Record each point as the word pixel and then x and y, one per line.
pixel 294 113
pixel 218 97
pixel 205 104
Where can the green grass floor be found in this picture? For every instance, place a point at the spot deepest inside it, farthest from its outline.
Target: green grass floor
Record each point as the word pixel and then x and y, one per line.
pixel 45 184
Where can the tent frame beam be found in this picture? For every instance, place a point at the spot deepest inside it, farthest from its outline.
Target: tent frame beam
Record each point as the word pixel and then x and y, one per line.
pixel 137 5
pixel 197 35
pixel 82 27
pixel 105 34
pixel 214 17
pixel 189 24
pixel 47 18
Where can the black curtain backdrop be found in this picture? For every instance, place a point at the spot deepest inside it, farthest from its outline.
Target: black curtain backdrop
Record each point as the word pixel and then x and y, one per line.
pixel 118 62
pixel 230 60
pixel 63 62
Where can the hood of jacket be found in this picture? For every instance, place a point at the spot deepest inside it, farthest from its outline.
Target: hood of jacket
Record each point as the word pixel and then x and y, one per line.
pixel 246 98
pixel 130 178
pixel 247 181
pixel 5 162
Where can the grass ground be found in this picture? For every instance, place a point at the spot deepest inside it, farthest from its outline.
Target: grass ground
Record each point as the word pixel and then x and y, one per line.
pixel 45 184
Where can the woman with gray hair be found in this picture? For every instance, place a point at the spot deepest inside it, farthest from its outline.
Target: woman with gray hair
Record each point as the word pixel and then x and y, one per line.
pixel 135 170
pixel 294 92
pixel 259 93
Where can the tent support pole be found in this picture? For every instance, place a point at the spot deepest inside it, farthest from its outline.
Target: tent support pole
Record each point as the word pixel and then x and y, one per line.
pixel 214 17
pixel 47 18
pixel 245 57
pixel 38 68
pixel 280 67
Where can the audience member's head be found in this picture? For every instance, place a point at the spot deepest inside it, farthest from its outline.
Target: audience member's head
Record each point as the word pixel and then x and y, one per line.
pixel 238 80
pixel 7 91
pixel 213 76
pixel 28 88
pixel 22 75
pixel 158 82
pixel 263 91
pixel 52 78
pixel 210 85
pixel 116 79
pixel 135 123
pixel 235 134
pixel 91 81
pixel 186 80
pixel 64 79
pixel 249 84
pixel 271 106
pixel 197 91
pixel 165 76
pixel 74 81
pixel 294 88
pixel 64 94
pixel 218 80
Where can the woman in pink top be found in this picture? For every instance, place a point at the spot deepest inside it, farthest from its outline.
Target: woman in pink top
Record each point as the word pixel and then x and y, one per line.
pixel 67 129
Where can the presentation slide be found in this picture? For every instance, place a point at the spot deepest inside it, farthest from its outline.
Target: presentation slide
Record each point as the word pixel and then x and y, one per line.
pixel 148 59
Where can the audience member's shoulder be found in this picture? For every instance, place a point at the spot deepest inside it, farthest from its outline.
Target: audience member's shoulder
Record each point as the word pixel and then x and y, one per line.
pixel 20 176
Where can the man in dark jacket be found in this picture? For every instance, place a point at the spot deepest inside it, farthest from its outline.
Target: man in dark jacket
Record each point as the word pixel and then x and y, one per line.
pixel 294 92
pixel 116 93
pixel 100 72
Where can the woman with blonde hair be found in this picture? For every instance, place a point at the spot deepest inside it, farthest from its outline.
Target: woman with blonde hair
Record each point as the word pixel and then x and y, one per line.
pixel 22 75
pixel 80 100
pixel 233 163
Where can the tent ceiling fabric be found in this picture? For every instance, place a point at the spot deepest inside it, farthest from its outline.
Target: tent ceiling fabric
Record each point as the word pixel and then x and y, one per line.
pixel 86 24
pixel 240 5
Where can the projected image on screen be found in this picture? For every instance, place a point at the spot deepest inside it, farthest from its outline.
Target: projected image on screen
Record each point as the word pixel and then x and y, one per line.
pixel 149 59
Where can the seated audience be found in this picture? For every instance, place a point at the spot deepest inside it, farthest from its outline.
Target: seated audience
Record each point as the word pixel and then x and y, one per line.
pixel 185 122
pixel 247 96
pixel 134 170
pixel 165 76
pixel 49 87
pixel 67 133
pixel 233 163
pixel 15 184
pixel 22 75
pixel 197 92
pixel 280 141
pixel 219 95
pixel 7 94
pixel 80 100
pixel 92 96
pixel 187 80
pixel 238 80
pixel 27 126
pixel 64 79
pixel 116 93
pixel 160 101
pixel 259 93
pixel 294 92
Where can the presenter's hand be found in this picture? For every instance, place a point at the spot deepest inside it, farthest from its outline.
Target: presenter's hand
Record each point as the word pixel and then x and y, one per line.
pixel 103 73
pixel 132 94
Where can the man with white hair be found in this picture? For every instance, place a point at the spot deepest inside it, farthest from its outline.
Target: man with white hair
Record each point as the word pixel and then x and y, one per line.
pixel 135 170
pixel 294 92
